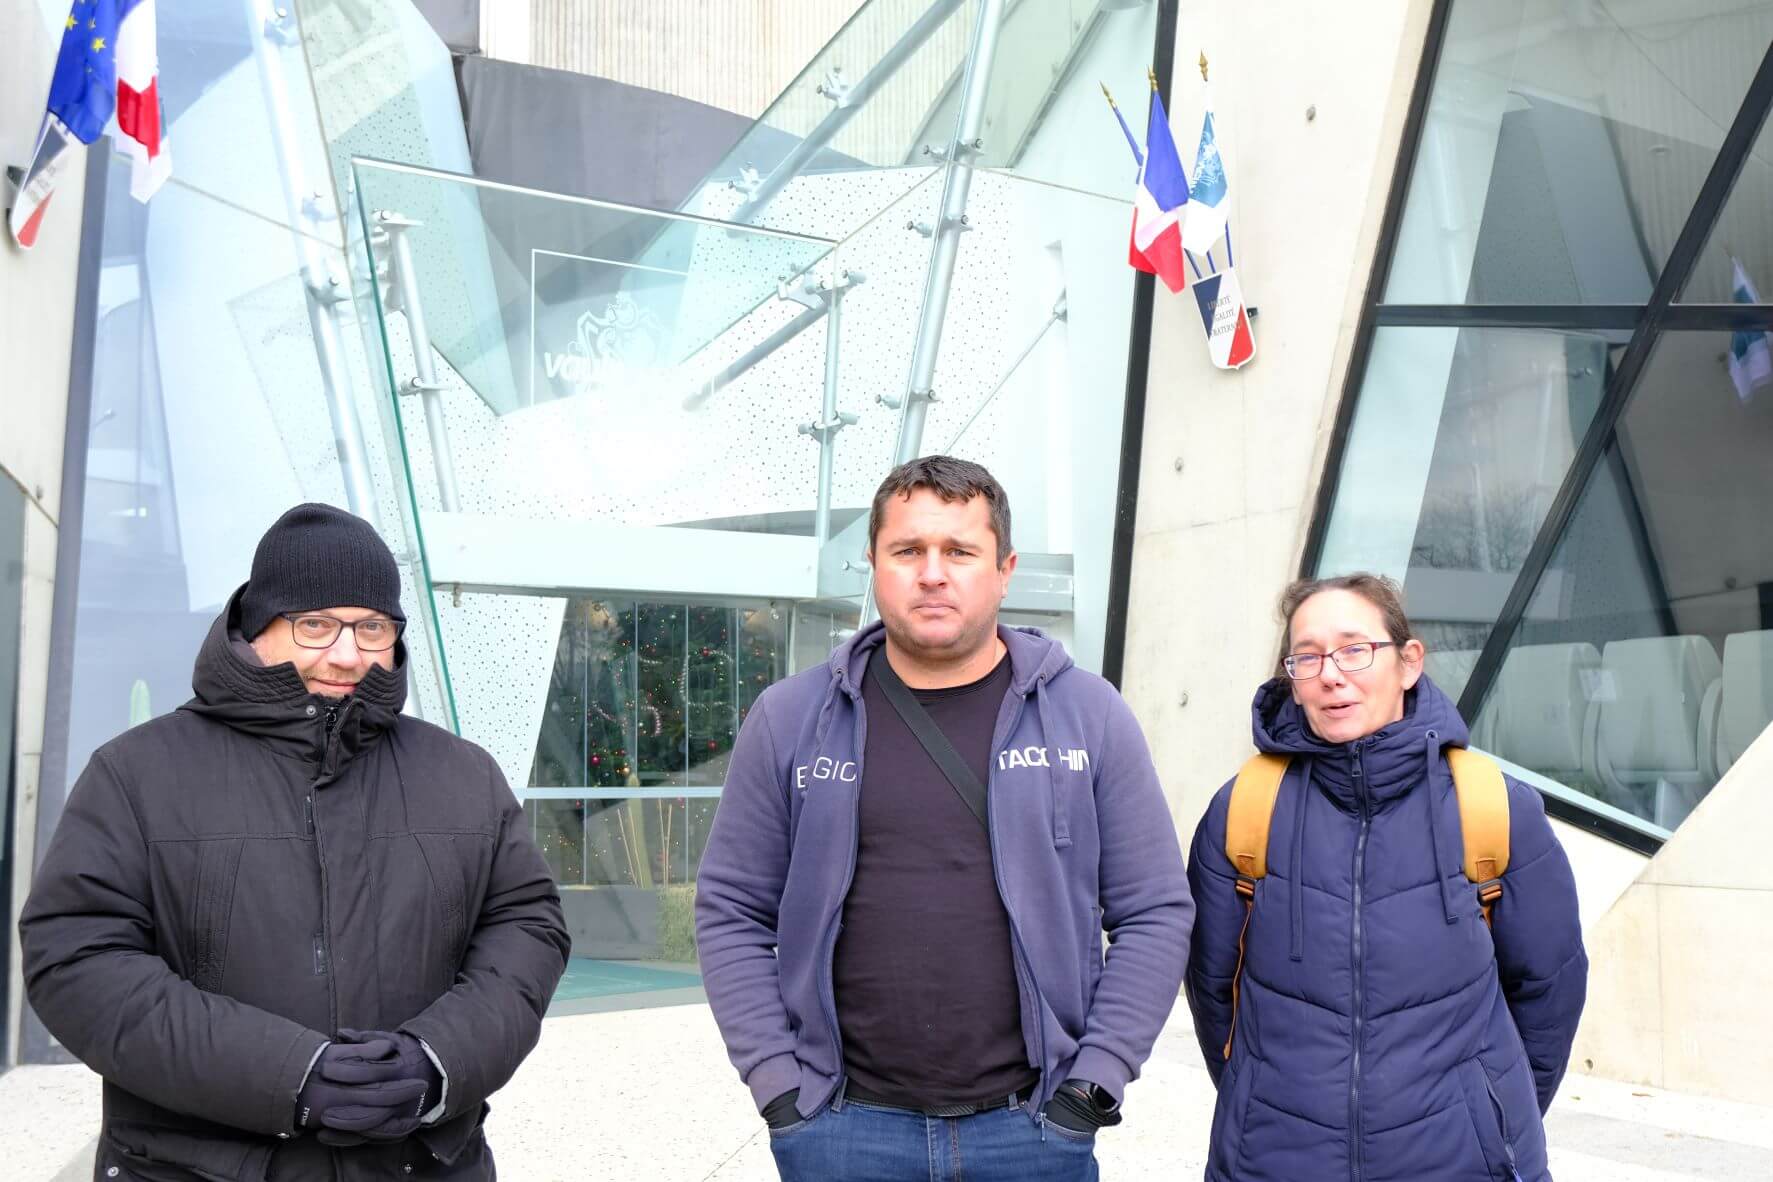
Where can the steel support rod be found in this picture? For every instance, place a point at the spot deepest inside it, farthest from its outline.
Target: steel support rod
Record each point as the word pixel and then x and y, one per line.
pixel 425 383
pixel 945 243
pixel 828 419
pixel 1060 312
pixel 831 420
pixel 275 27
pixel 755 354
pixel 845 109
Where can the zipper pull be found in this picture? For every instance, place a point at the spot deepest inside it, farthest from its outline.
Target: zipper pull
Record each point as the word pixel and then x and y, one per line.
pixel 308 813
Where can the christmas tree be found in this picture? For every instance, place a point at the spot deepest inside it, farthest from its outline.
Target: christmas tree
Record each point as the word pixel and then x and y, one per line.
pixel 646 696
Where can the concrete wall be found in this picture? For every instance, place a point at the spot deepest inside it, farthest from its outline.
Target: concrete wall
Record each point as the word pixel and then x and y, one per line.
pixel 1232 460
pixel 1680 975
pixel 36 322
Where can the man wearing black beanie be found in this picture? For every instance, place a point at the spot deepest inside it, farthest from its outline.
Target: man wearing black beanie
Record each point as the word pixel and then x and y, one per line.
pixel 300 934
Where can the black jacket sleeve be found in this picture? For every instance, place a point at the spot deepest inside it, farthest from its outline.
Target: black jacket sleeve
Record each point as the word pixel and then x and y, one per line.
pixel 93 974
pixel 492 1017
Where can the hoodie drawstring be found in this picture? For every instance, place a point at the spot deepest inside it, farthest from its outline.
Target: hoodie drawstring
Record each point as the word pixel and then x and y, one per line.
pixel 1296 878
pixel 1431 744
pixel 1061 815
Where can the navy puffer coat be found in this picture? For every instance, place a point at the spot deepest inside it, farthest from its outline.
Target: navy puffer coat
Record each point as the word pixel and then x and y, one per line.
pixel 1383 1033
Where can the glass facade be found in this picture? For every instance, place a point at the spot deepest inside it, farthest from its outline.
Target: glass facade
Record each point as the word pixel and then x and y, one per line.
pixel 226 370
pixel 1568 479
pixel 623 455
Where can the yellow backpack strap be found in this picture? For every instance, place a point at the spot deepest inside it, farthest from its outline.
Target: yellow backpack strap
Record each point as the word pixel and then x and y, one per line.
pixel 1483 821
pixel 1246 823
pixel 1253 795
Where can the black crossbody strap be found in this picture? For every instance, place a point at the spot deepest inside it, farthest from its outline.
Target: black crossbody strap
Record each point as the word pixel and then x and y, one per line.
pixel 911 711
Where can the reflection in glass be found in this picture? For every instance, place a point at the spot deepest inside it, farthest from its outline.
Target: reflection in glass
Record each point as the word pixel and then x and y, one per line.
pixel 1564 146
pixel 643 708
pixel 1460 441
pixel 1642 667
pixel 1736 265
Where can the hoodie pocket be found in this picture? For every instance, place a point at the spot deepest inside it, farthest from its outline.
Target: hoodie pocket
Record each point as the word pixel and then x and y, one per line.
pixel 1489 1121
pixel 1092 957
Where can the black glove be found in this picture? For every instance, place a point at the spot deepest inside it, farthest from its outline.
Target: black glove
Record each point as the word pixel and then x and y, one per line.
pixel 380 1086
pixel 351 1078
pixel 781 1112
pixel 1081 1107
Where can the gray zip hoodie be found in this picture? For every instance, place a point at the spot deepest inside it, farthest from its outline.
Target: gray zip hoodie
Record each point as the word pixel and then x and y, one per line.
pixel 1081 839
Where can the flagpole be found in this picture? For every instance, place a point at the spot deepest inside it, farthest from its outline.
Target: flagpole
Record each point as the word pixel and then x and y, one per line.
pixel 1151 76
pixel 1138 156
pixel 1230 259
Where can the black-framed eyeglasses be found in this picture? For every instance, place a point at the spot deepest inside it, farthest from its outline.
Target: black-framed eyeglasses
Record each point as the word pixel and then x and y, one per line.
pixel 376 634
pixel 1350 658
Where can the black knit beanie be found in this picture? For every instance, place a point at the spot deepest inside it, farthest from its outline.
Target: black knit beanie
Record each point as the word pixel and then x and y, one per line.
pixel 315 557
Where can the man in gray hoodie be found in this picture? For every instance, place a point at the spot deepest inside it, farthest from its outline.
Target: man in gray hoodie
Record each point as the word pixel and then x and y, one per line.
pixel 917 851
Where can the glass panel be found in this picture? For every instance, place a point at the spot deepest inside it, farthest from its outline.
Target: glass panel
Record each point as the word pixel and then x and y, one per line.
pixel 542 297
pixel 1742 238
pixel 1642 668
pixel 646 699
pixel 1564 147
pixel 1460 441
pixel 860 103
pixel 903 63
pixel 169 518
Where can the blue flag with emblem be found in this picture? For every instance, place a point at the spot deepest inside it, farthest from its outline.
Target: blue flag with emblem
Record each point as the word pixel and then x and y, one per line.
pixel 1751 358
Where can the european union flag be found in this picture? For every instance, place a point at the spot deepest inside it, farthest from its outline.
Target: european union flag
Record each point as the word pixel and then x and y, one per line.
pixel 83 93
pixel 108 69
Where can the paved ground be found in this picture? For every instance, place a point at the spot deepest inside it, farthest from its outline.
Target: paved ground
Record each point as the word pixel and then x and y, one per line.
pixel 647 1096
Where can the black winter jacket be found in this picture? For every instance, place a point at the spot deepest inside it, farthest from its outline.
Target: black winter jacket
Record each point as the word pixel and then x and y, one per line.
pixel 234 882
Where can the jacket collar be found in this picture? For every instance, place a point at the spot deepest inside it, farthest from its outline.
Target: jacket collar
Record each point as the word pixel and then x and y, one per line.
pixel 233 687
pixel 1035 658
pixel 1391 761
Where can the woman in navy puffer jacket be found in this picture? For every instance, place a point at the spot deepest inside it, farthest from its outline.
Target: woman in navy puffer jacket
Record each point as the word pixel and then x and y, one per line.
pixel 1382 1033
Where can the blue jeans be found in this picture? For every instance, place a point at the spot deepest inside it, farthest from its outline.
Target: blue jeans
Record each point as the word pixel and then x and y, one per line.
pixel 847 1141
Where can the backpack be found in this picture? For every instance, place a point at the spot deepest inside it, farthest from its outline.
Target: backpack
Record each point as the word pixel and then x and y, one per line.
pixel 1483 820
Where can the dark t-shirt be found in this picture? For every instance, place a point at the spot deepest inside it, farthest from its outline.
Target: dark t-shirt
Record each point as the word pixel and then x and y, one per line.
pixel 925 980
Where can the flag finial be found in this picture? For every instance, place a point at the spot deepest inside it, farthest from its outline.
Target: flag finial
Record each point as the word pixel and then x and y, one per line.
pixel 1203 65
pixel 1151 74
pixel 1106 95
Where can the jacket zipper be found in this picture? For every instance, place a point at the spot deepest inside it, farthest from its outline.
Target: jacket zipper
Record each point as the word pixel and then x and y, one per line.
pixel 828 990
pixel 322 958
pixel 1514 1173
pixel 1024 968
pixel 1354 1081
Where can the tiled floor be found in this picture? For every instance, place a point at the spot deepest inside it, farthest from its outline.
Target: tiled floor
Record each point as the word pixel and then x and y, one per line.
pixel 646 1095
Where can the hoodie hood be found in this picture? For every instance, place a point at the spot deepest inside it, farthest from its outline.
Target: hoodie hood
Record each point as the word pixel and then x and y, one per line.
pixel 1035 657
pixel 1369 773
pixel 1393 757
pixel 233 687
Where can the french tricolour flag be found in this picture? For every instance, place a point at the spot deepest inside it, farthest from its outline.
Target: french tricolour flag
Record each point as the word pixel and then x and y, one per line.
pixel 106 77
pixel 1159 202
